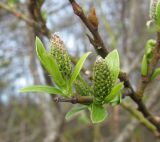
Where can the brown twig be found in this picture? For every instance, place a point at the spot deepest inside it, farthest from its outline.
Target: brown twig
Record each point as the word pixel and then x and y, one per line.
pixel 75 100
pixel 97 42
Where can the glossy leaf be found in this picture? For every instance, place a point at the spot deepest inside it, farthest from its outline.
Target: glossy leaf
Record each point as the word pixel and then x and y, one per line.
pixel 113 62
pixel 41 88
pixel 98 113
pixel 78 67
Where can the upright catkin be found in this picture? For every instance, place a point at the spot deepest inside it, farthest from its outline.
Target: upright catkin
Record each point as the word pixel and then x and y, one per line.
pixel 60 54
pixel 102 80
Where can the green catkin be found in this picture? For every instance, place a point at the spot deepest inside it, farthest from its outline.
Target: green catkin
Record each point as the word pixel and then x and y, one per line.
pixel 82 87
pixel 102 80
pixel 61 56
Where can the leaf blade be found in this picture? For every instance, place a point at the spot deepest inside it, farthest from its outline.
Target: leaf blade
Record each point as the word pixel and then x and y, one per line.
pixel 49 63
pixel 78 67
pixel 113 62
pixel 114 92
pixel 41 88
pixel 98 113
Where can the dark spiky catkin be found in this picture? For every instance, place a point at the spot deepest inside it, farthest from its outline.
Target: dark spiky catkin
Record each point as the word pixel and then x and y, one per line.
pixel 102 80
pixel 61 56
pixel 82 87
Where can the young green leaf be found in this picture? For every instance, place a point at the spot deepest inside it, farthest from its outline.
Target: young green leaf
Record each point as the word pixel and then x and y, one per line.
pixel 113 62
pixel 54 71
pixel 144 66
pixel 74 111
pixel 155 74
pixel 78 67
pixel 115 92
pixel 98 113
pixel 39 48
pixel 41 88
pixel 49 63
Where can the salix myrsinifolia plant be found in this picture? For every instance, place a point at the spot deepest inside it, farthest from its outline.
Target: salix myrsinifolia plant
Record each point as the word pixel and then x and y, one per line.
pixel 104 88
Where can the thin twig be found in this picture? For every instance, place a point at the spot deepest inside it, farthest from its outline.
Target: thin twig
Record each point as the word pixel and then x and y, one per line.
pixel 97 41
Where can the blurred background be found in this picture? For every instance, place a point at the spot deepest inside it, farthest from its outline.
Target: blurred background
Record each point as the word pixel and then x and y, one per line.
pixel 35 117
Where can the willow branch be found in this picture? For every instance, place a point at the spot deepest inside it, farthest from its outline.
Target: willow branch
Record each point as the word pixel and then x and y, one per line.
pixel 152 65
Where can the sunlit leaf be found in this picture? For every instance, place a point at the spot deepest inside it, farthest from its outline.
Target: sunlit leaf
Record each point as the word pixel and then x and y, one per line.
pixel 78 67
pixel 49 63
pixel 113 62
pixel 41 88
